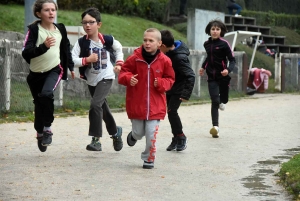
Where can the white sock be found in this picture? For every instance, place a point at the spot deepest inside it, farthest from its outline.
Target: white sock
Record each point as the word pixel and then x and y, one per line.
pixel 47 128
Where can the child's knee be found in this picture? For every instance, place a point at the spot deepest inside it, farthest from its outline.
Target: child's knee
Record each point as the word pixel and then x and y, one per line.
pixel 137 136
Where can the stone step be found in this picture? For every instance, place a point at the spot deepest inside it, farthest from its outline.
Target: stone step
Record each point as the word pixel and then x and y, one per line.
pixel 243 27
pixel 281 48
pixel 273 39
pixel 231 19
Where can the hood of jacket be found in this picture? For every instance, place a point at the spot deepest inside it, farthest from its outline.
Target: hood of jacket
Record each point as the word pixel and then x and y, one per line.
pixel 180 48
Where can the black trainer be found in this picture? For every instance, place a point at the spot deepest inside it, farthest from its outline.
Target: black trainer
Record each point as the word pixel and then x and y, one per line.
pixel 47 138
pixel 148 165
pixel 173 144
pixel 130 140
pixel 181 143
pixel 39 143
pixel 95 145
pixel 117 139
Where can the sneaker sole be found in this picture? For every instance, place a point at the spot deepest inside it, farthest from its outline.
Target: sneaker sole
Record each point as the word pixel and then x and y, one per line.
pixel 45 145
pixel 214 133
pixel 171 149
pixel 148 167
pixel 40 146
pixel 92 148
pixel 129 141
pixel 119 130
pixel 184 146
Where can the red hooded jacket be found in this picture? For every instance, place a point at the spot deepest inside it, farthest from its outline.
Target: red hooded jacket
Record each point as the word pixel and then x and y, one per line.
pixel 144 101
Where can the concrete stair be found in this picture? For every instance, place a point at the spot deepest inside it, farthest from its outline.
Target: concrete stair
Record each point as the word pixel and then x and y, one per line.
pixel 249 24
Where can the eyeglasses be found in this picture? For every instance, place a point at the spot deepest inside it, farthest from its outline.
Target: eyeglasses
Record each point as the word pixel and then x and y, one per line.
pixel 90 23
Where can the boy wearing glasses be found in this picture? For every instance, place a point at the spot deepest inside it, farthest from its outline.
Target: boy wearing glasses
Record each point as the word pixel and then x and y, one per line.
pixel 91 55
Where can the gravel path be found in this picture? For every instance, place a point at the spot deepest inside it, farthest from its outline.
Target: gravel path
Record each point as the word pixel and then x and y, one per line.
pixel 252 130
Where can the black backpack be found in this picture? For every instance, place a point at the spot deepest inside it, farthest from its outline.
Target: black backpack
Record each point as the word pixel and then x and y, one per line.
pixel 84 51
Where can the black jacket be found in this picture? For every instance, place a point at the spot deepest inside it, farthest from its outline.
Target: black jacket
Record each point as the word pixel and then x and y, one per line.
pixel 230 3
pixel 30 50
pixel 184 74
pixel 218 53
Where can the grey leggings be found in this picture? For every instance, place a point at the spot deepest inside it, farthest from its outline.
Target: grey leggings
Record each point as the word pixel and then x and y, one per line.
pixel 149 129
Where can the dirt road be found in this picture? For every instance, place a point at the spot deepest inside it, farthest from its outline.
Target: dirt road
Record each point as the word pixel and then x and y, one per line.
pixel 252 130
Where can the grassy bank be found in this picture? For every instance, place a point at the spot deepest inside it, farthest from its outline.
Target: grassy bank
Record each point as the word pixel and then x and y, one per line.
pixel 128 30
pixel 290 176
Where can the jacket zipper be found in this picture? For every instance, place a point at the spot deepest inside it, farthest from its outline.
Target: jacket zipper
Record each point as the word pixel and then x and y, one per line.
pixel 148 93
pixel 148 87
pixel 212 60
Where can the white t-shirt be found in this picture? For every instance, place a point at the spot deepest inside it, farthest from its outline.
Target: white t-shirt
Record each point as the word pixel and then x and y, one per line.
pixel 103 69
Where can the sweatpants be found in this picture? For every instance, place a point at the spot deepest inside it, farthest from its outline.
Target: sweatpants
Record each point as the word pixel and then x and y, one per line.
pixel 173 103
pixel 99 109
pixel 149 129
pixel 218 91
pixel 42 86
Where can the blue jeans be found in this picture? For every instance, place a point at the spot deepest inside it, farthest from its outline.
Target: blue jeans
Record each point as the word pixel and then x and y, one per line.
pixel 236 7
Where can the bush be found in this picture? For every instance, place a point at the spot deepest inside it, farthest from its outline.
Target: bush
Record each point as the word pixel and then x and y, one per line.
pixel 273 19
pixel 153 10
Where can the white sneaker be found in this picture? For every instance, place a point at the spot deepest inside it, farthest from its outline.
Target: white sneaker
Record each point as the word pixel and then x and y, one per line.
pixel 236 15
pixel 214 132
pixel 222 106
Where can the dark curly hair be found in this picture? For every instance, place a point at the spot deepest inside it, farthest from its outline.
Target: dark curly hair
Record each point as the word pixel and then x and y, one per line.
pixel 216 23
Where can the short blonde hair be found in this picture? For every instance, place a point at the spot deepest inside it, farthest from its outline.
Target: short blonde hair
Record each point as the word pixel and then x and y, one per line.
pixel 155 31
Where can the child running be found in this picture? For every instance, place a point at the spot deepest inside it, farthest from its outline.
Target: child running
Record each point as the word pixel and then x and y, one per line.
pixel 182 89
pixel 218 53
pixel 90 53
pixel 147 75
pixel 47 50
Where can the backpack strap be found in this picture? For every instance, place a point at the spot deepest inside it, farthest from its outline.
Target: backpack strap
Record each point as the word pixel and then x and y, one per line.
pixel 84 52
pixel 108 41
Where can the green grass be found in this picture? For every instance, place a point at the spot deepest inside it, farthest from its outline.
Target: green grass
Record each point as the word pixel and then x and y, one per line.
pixel 291 36
pixel 128 30
pixel 260 60
pixel 290 175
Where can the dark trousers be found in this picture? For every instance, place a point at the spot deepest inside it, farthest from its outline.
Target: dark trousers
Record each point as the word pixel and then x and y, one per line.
pixel 173 103
pixel 42 86
pixel 99 109
pixel 218 91
pixel 182 7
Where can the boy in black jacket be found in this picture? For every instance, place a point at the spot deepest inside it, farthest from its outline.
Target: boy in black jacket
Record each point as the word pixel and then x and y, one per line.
pixel 182 89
